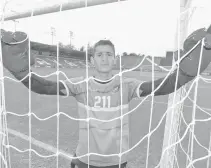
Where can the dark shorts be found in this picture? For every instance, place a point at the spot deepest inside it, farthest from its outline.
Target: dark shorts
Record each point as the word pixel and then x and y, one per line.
pixel 80 164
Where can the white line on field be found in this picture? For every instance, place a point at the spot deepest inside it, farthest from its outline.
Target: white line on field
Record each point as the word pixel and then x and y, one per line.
pixel 40 144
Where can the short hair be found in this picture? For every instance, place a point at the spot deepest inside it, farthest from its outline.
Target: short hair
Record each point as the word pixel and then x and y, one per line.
pixel 101 42
pixel 104 42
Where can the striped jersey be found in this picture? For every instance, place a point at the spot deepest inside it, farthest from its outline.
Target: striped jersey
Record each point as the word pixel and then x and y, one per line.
pixel 102 101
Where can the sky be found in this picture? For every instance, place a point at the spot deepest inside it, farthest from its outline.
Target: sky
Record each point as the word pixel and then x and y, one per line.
pixel 139 26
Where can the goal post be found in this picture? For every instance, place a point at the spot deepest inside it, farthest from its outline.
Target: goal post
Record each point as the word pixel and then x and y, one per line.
pixel 1 109
pixel 1 127
pixel 173 114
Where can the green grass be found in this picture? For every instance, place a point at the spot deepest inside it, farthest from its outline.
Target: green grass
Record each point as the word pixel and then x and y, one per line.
pixel 17 100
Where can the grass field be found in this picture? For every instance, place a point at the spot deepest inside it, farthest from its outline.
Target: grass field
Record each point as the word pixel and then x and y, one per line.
pixel 45 131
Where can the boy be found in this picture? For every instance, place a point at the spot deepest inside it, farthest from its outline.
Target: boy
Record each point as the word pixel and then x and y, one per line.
pixel 104 92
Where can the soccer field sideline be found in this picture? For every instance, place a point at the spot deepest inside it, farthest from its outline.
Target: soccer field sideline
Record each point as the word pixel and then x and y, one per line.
pixel 40 144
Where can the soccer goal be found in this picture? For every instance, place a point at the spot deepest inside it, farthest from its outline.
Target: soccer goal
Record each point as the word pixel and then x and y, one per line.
pixel 187 131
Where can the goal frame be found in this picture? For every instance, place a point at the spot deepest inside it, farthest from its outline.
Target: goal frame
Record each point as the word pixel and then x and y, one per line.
pixel 88 3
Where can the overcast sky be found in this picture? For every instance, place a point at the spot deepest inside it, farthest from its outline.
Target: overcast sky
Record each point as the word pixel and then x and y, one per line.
pixel 140 26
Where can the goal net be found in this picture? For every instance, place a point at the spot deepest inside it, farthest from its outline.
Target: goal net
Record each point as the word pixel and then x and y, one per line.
pixel 43 131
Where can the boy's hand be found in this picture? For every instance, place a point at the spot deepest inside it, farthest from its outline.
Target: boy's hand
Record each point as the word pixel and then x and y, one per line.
pixel 193 39
pixel 15 51
pixel 189 65
pixel 196 36
pixel 207 41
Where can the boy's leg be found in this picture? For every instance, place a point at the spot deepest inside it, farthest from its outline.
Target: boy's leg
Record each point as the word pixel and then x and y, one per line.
pixel 76 163
pixel 73 162
pixel 83 165
pixel 72 165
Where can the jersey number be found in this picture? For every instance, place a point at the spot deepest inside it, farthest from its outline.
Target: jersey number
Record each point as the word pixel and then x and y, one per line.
pixel 106 101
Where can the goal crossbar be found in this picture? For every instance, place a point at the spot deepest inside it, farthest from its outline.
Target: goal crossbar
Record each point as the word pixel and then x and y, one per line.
pixel 73 4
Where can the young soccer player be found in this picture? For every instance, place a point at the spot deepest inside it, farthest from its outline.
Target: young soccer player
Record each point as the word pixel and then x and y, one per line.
pixel 104 91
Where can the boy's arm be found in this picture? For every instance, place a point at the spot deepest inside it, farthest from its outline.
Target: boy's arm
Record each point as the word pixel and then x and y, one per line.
pixel 42 86
pixel 188 67
pixel 15 57
pixel 168 85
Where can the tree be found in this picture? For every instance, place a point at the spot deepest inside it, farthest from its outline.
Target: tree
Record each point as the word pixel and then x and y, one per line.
pixel 124 54
pixel 69 46
pixel 61 45
pixel 141 55
pixel 132 54
pixel 117 56
pixel 82 48
pixel 90 49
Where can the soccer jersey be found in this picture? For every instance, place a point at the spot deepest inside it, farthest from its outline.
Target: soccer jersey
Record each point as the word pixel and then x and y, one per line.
pixel 103 101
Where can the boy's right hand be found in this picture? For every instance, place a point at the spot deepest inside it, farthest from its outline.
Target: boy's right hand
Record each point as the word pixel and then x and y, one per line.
pixel 15 51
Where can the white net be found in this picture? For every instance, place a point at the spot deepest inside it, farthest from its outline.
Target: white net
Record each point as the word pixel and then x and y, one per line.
pixel 42 131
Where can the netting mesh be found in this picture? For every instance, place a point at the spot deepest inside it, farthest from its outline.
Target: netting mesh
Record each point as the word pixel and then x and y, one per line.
pixel 21 142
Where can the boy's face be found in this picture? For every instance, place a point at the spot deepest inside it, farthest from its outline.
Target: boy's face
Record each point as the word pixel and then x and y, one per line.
pixel 104 58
